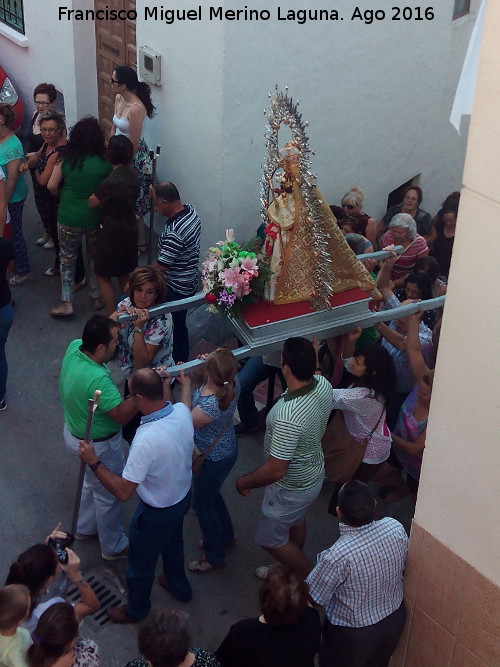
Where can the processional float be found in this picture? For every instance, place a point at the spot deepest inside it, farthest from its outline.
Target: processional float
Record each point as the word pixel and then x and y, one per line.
pixel 316 285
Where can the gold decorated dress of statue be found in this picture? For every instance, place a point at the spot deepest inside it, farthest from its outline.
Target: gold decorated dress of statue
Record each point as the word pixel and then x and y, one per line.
pixel 309 256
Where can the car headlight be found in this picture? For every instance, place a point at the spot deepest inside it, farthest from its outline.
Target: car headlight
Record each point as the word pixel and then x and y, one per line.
pixel 8 94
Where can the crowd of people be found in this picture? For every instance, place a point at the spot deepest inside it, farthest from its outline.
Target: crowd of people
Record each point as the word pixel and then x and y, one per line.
pixel 354 407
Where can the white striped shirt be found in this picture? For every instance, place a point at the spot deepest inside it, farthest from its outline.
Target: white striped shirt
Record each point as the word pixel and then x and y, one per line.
pixel 294 428
pixel 179 250
pixel 359 579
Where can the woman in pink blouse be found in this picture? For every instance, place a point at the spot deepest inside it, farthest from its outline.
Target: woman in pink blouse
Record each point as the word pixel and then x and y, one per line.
pixel 403 231
pixel 363 405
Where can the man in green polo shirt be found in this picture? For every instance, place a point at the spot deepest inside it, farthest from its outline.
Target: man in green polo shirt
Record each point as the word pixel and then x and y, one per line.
pixel 83 371
pixel 294 472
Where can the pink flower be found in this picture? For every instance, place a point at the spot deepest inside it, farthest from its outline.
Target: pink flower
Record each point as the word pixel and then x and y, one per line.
pixel 231 277
pixel 230 235
pixel 249 264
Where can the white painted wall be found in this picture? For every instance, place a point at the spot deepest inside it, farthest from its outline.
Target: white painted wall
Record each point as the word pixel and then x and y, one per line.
pixel 458 499
pixel 377 97
pixel 59 52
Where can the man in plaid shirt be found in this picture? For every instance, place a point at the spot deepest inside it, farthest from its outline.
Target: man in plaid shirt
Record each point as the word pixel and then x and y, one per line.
pixel 359 581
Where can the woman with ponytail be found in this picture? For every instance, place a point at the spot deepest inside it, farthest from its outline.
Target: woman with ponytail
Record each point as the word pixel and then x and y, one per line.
pixel 56 643
pixel 132 104
pixel 213 407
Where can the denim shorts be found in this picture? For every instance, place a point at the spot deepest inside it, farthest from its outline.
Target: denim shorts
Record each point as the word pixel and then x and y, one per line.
pixel 281 510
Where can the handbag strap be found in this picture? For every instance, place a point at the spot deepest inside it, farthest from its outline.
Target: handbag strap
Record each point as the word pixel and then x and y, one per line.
pixel 219 436
pixel 369 436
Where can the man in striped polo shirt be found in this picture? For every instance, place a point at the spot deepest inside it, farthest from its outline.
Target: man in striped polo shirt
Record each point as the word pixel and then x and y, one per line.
pixel 178 256
pixel 294 472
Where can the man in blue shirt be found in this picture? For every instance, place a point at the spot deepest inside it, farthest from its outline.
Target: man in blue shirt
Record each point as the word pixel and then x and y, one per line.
pixel 359 581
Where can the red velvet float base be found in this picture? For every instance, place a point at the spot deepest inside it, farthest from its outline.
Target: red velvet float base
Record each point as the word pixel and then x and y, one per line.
pixel 264 312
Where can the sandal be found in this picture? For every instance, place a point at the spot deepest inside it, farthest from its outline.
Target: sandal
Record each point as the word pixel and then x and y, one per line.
pixel 202 565
pixel 141 249
pixel 62 311
pixel 52 272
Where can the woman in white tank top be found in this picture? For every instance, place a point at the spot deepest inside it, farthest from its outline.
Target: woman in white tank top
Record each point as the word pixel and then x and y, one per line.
pixel 132 105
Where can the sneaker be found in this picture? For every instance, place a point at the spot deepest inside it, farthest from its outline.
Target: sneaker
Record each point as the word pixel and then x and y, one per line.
pixel 243 429
pixel 3 405
pixel 49 245
pixel 121 554
pixel 262 571
pixel 43 239
pixel 20 280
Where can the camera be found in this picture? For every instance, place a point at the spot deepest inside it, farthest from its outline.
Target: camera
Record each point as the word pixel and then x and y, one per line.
pixel 59 545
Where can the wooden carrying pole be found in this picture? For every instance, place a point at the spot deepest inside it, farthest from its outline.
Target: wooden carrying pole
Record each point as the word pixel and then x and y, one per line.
pixel 154 156
pixel 91 408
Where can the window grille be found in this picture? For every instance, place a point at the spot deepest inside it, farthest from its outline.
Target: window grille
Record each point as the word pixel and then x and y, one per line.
pixel 12 14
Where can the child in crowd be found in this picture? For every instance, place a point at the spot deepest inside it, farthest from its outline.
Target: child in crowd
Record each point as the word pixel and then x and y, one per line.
pixel 14 641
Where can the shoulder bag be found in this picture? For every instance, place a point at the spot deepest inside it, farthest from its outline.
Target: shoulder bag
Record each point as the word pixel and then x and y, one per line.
pixel 342 453
pixel 199 456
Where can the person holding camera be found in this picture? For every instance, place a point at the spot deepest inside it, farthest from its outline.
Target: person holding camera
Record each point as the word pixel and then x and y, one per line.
pixel 37 567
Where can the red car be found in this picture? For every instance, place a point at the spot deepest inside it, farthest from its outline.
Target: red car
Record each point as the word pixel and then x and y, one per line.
pixel 9 95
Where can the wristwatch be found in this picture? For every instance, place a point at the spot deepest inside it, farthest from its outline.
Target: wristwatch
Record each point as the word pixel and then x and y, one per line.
pixel 95 465
pixel 137 331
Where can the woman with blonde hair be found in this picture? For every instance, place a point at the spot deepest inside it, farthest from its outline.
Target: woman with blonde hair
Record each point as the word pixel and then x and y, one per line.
pixel 352 203
pixel 213 406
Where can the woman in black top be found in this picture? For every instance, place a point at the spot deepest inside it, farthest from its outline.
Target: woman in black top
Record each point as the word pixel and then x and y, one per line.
pixel 53 131
pixel 442 247
pixel 287 633
pixel 44 96
pixel 116 251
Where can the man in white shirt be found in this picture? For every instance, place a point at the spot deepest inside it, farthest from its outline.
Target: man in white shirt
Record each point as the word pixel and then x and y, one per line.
pixel 159 467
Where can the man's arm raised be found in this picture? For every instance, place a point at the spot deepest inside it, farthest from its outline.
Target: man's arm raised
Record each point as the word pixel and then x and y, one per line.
pixel 124 411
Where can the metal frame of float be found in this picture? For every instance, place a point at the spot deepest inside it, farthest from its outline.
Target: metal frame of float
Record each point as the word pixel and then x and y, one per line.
pixel 269 336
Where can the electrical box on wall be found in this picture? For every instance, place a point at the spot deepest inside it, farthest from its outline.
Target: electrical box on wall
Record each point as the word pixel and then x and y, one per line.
pixel 150 65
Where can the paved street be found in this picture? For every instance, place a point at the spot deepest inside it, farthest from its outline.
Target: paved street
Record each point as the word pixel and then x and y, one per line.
pixel 38 477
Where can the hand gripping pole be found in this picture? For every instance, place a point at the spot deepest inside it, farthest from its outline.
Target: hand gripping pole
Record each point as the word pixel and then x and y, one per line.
pixel 91 408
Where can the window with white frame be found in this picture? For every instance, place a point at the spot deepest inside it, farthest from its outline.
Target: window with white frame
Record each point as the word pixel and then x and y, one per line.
pixel 460 8
pixel 12 14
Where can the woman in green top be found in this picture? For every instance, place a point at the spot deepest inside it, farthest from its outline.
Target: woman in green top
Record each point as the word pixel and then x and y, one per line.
pixel 11 155
pixel 82 169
